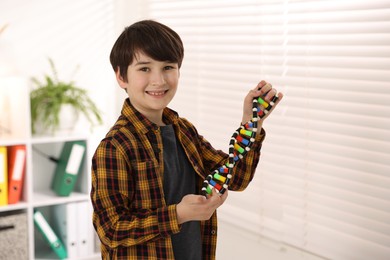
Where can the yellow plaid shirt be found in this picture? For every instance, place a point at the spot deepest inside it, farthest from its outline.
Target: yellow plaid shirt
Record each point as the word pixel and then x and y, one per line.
pixel 130 214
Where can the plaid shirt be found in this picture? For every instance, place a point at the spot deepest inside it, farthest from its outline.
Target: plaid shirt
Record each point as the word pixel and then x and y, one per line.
pixel 130 213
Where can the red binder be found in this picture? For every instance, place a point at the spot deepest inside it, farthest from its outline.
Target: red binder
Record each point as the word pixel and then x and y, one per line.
pixel 16 171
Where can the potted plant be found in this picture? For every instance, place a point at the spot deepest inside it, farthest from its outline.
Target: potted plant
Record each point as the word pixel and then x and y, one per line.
pixel 52 96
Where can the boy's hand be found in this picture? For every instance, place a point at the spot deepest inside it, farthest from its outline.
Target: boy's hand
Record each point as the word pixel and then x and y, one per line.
pixel 260 90
pixel 197 207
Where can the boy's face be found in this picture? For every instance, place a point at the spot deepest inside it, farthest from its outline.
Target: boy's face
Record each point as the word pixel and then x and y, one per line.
pixel 151 84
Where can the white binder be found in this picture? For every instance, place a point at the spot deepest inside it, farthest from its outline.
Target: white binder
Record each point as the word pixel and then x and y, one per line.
pixel 85 234
pixel 67 227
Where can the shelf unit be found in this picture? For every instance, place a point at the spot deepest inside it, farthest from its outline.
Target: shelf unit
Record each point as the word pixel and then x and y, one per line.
pixel 39 171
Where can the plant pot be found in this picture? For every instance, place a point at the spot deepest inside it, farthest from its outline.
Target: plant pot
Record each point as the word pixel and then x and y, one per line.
pixel 68 120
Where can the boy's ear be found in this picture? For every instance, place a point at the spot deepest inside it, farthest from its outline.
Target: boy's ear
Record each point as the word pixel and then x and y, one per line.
pixel 122 83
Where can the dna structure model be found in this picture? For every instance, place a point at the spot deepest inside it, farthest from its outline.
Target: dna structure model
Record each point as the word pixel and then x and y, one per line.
pixel 240 143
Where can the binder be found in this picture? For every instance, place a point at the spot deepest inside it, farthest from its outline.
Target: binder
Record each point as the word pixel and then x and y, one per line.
pixel 3 176
pixel 68 167
pixel 66 225
pixel 52 239
pixel 16 172
pixel 85 237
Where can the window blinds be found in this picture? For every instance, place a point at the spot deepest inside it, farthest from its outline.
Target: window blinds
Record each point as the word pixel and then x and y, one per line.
pixel 323 183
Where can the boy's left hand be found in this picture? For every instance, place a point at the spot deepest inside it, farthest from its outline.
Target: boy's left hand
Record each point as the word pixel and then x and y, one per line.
pixel 263 88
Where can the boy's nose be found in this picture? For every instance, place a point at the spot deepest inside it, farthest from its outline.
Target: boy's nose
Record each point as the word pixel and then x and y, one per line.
pixel 158 79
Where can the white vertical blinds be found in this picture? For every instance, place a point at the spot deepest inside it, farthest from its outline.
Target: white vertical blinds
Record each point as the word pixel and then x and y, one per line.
pixel 323 183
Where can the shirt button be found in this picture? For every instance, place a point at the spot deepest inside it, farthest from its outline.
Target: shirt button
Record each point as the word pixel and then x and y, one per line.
pixel 213 232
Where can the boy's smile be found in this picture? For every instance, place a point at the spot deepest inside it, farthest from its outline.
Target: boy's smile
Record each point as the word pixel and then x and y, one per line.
pixel 157 93
pixel 151 85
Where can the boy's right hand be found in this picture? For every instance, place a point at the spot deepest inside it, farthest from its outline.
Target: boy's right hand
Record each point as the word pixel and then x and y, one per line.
pixel 197 207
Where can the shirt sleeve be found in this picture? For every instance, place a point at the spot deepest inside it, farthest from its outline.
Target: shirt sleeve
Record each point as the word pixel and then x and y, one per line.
pixel 116 223
pixel 243 170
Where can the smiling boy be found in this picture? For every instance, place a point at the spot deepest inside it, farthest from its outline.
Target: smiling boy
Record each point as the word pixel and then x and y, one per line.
pixel 151 85
pixel 148 171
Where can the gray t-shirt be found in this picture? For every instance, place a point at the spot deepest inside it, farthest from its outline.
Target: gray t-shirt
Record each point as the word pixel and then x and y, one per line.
pixel 180 180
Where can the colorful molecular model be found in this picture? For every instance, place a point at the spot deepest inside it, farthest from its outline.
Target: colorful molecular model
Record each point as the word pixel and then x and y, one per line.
pixel 240 143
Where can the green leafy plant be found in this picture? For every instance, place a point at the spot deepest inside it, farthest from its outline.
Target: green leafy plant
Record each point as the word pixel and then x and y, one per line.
pixel 50 96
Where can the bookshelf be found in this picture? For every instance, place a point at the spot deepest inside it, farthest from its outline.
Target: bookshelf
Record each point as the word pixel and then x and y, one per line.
pixel 39 171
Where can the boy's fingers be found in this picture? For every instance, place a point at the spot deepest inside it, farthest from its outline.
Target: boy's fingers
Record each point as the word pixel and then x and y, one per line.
pixel 260 85
pixel 280 96
pixel 200 199
pixel 224 196
pixel 271 93
pixel 216 199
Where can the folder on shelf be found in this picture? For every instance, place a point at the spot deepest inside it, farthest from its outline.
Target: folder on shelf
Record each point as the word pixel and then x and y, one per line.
pixel 16 170
pixel 3 176
pixel 68 167
pixel 85 228
pixel 66 224
pixel 72 222
pixel 55 243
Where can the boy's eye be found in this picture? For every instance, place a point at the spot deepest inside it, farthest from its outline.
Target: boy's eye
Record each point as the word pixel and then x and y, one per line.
pixel 168 67
pixel 144 69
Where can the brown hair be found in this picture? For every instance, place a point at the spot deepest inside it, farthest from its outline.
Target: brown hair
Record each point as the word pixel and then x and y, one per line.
pixel 150 37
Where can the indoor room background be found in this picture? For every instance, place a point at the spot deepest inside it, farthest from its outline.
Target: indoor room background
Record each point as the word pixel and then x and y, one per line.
pixel 322 188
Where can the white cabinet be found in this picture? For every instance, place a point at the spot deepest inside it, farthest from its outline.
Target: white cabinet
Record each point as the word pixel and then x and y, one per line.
pixel 37 193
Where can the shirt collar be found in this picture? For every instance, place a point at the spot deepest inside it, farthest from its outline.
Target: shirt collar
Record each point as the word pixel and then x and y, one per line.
pixel 143 124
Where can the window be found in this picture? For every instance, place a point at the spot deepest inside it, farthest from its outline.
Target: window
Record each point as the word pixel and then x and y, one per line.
pixel 323 183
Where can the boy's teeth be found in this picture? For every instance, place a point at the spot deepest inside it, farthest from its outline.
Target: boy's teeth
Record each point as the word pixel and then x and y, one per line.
pixel 157 93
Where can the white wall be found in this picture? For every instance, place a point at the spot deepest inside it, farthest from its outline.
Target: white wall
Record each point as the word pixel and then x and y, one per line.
pixel 72 33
